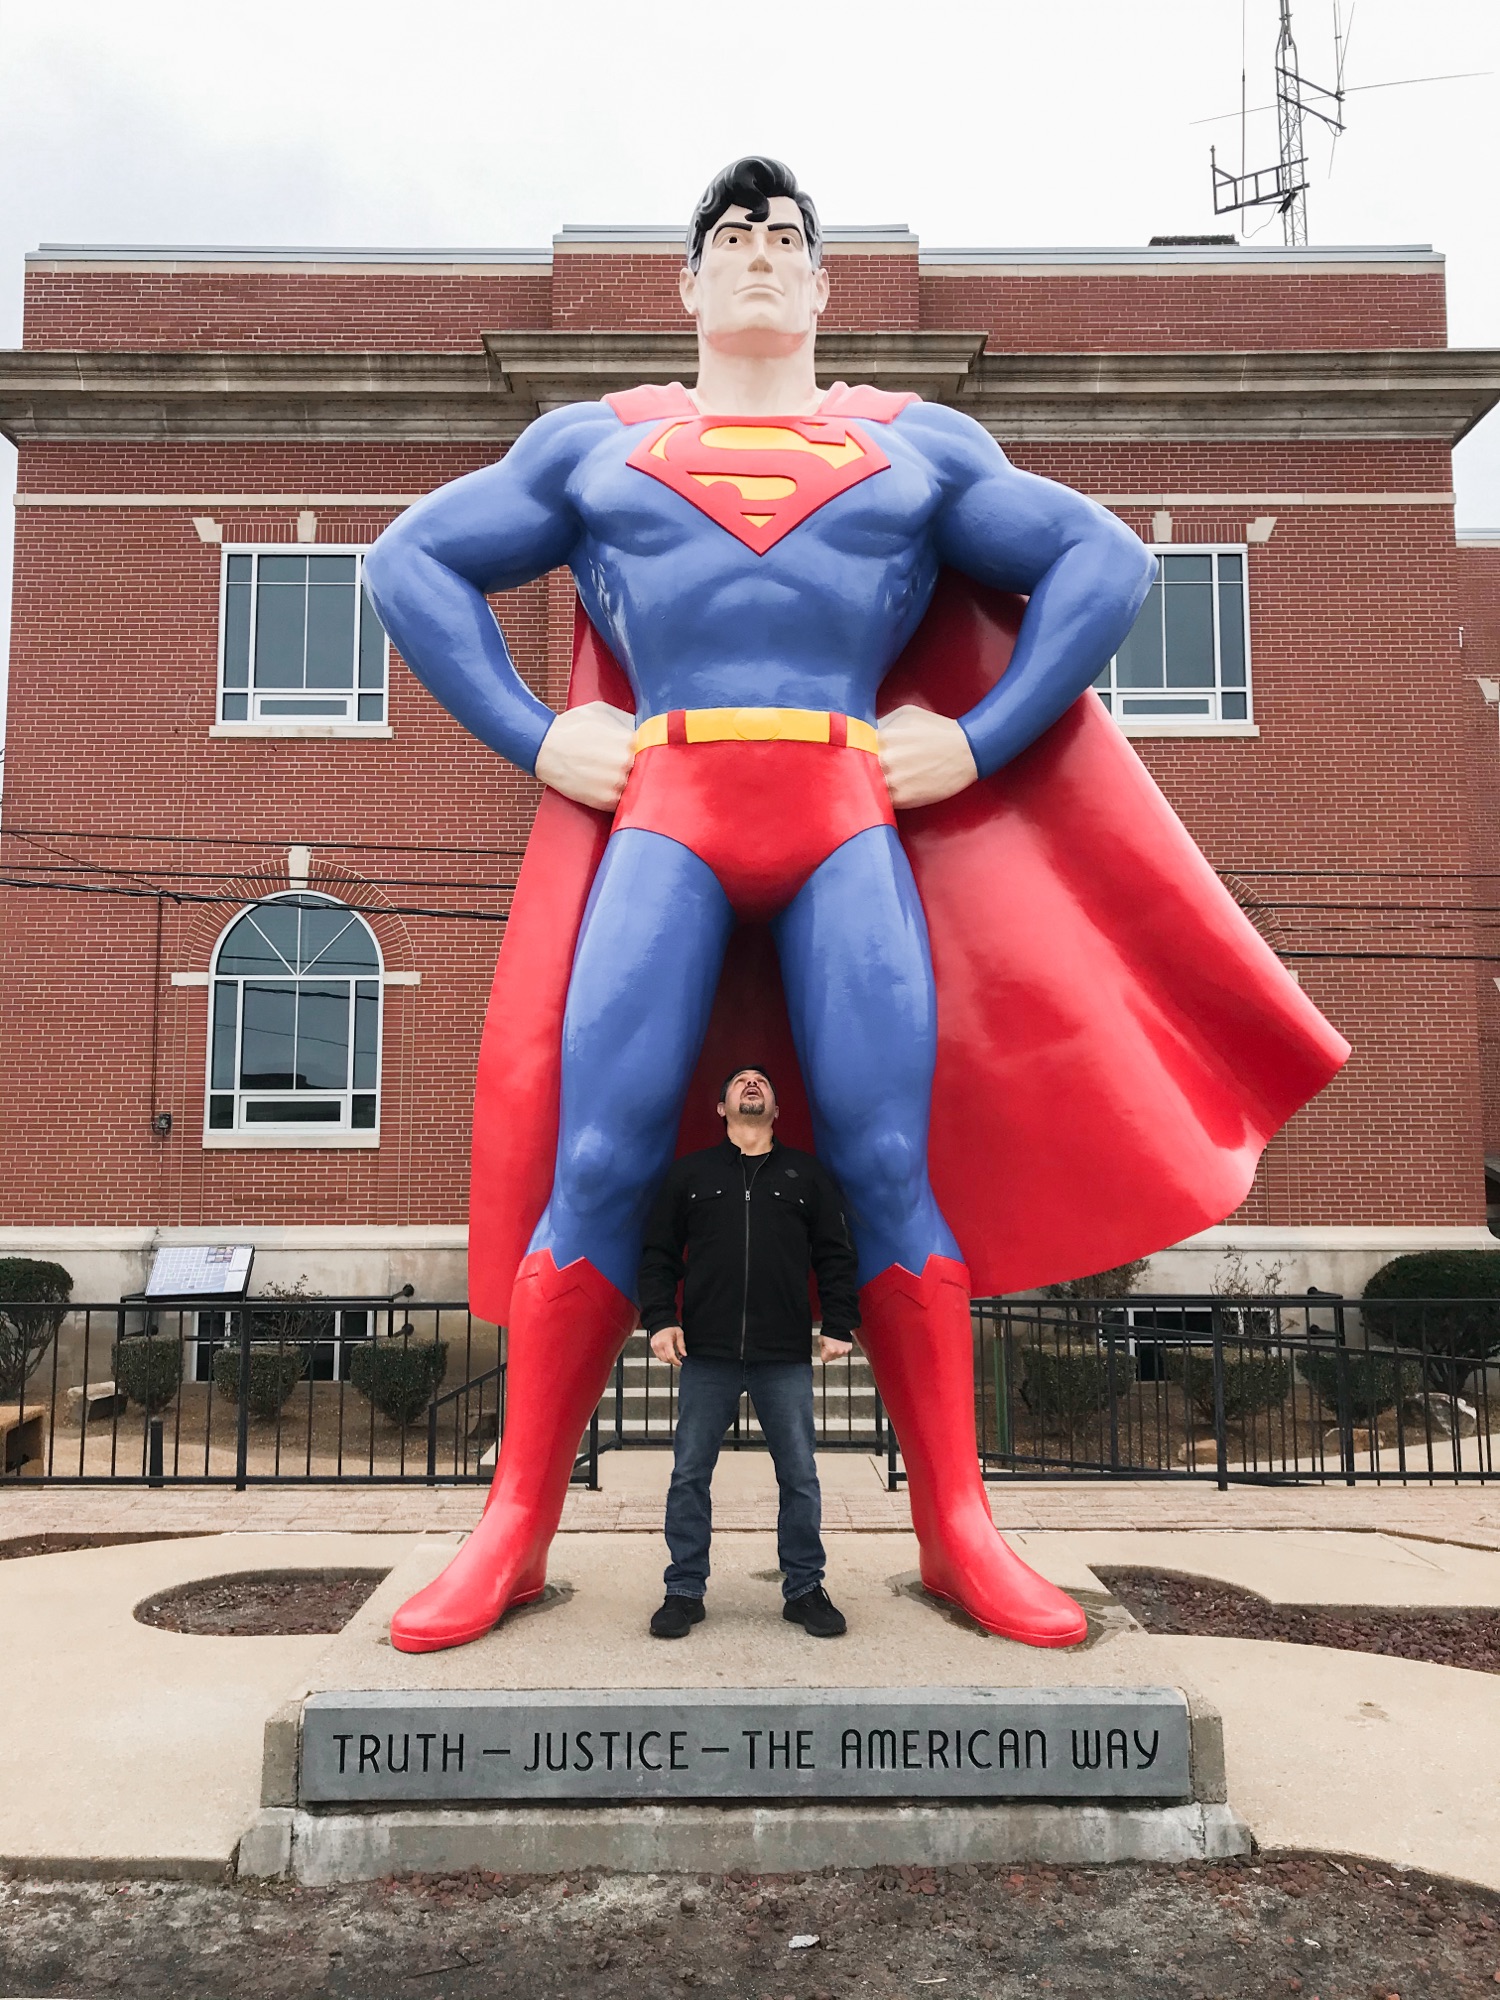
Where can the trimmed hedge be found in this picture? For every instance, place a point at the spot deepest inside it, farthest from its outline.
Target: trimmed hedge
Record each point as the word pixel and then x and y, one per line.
pixel 1374 1381
pixel 1454 1339
pixel 1252 1383
pixel 1068 1387
pixel 34 1297
pixel 275 1370
pixel 400 1377
pixel 148 1371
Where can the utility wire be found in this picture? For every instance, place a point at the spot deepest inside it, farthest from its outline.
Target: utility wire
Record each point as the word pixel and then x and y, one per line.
pixel 234 840
pixel 240 902
pixel 191 896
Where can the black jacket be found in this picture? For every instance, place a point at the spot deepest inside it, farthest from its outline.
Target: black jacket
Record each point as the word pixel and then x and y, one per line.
pixel 746 1228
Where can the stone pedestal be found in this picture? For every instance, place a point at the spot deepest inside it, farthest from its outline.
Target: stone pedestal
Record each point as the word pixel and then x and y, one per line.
pixel 569 1738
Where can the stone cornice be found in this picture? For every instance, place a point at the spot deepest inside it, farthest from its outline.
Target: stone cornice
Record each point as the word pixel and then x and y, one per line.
pixel 490 396
pixel 1437 393
pixel 547 369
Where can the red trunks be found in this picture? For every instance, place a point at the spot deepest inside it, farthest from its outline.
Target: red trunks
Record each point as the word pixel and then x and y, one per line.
pixel 763 816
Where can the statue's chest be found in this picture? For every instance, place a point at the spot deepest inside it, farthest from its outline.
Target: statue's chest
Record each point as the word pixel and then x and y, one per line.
pixel 744 488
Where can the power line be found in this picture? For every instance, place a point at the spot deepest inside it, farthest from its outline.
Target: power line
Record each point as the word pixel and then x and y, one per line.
pixel 237 840
pixel 190 896
pixel 241 902
pixel 279 845
pixel 217 875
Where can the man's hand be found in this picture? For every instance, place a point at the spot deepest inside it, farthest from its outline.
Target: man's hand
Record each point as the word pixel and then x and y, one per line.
pixel 586 754
pixel 669 1345
pixel 924 757
pixel 830 1349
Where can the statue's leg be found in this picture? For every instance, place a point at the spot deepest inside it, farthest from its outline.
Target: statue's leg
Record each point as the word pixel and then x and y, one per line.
pixel 643 982
pixel 858 977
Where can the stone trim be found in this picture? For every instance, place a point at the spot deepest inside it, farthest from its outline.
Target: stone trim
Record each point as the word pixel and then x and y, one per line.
pixel 1437 393
pixel 1258 1237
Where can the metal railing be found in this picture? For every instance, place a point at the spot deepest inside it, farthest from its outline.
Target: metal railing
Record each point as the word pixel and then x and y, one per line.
pixel 335 1390
pixel 1311 1388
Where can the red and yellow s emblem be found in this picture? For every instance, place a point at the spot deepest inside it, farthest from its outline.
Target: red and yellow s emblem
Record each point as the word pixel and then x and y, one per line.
pixel 758 480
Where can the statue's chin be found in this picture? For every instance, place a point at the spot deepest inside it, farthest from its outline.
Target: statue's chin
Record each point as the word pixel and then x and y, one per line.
pixel 770 343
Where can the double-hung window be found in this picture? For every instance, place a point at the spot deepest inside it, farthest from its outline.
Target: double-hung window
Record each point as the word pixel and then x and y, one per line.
pixel 1187 657
pixel 294 1040
pixel 299 639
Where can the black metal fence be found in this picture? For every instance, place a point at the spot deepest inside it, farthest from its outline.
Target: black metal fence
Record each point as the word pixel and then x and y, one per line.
pixel 335 1390
pixel 1308 1388
pixel 1313 1388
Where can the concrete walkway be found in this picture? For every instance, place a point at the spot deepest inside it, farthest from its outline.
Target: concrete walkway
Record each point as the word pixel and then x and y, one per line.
pixel 132 1750
pixel 141 1749
pixel 634 1485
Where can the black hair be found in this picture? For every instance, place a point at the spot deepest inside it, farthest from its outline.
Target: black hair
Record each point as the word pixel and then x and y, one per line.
pixel 739 1070
pixel 751 184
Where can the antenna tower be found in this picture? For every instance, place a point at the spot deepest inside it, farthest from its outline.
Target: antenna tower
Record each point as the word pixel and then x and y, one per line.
pixel 1297 99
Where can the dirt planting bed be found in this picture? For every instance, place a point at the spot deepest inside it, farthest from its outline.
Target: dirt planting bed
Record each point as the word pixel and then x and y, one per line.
pixel 1318 1927
pixel 262 1603
pixel 1166 1602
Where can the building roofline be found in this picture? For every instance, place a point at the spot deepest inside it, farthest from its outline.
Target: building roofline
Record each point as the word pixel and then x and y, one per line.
pixel 574 236
pixel 1230 256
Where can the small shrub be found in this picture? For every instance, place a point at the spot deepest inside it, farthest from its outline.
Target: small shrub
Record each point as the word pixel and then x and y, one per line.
pixel 399 1376
pixel 1068 1386
pixel 33 1305
pixel 1454 1338
pixel 1116 1283
pixel 1374 1381
pixel 148 1371
pixel 1252 1383
pixel 275 1370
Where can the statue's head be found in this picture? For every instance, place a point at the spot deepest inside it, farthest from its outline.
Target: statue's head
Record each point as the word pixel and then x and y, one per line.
pixel 754 279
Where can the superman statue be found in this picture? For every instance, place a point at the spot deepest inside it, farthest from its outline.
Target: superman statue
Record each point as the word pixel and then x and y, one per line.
pixel 830 777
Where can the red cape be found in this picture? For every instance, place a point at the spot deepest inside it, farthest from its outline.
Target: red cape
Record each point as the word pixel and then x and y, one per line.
pixel 1116 1043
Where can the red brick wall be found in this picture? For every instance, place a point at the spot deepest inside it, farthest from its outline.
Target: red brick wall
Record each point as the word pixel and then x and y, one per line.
pixel 604 289
pixel 1362 696
pixel 112 698
pixel 415 310
pixel 1156 312
pixel 1479 615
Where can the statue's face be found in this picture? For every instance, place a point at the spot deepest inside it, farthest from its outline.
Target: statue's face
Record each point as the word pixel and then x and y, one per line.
pixel 755 290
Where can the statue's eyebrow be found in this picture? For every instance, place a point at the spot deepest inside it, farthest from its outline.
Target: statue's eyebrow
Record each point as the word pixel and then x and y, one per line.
pixel 774 228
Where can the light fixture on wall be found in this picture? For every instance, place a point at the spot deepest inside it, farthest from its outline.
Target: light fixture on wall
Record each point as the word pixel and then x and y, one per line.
pixel 161 1124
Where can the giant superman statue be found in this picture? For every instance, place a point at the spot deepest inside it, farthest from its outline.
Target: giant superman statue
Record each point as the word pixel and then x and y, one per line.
pixel 1035 1034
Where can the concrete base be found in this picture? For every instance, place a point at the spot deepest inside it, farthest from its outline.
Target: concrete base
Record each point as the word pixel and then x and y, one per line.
pixel 322 1848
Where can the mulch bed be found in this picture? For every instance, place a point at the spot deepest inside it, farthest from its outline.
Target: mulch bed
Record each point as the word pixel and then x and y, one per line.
pixel 262 1603
pixel 1164 1601
pixel 51 1544
pixel 1313 1926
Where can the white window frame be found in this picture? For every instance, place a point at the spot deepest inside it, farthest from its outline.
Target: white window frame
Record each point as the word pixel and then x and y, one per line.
pixel 254 723
pixel 1213 722
pixel 214 1327
pixel 243 1134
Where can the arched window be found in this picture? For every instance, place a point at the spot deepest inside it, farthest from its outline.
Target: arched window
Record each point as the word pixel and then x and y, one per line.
pixel 295 1038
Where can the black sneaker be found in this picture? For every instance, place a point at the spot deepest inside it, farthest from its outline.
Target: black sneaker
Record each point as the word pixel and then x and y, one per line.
pixel 676 1617
pixel 817 1614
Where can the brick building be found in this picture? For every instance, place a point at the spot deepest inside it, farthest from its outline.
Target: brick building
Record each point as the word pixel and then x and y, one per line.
pixel 203 716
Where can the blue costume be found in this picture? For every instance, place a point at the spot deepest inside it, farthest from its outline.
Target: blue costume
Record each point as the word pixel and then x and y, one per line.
pixel 736 566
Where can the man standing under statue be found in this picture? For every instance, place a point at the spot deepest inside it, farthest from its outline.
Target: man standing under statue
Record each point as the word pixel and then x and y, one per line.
pixel 757 555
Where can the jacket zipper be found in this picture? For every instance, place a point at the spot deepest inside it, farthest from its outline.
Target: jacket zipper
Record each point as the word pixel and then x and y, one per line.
pixel 745 1294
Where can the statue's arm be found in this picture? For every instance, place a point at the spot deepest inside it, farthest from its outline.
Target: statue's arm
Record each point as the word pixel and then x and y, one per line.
pixel 429 573
pixel 1086 576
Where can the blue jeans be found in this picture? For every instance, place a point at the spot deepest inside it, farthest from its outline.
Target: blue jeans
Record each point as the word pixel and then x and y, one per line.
pixel 708 1391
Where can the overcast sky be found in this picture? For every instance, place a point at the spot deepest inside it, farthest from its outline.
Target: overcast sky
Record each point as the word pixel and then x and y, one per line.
pixel 973 121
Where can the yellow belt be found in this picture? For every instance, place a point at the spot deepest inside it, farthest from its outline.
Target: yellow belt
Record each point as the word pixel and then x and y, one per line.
pixel 755 725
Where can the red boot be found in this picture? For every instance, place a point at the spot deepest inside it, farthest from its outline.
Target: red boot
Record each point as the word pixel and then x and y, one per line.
pixel 917 1335
pixel 566 1328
